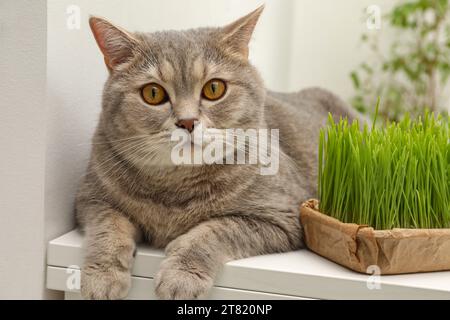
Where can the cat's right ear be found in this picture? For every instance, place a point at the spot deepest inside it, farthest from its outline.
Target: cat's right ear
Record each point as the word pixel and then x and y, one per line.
pixel 116 44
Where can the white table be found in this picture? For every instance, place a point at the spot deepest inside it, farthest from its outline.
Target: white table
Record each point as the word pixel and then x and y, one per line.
pixel 294 275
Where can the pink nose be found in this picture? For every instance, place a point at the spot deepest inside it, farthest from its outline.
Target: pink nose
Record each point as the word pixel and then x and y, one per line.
pixel 187 124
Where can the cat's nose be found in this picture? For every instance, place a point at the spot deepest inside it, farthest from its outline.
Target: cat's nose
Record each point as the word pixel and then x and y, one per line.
pixel 187 124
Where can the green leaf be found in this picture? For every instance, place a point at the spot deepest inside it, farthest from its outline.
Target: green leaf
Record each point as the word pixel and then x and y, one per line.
pixel 355 79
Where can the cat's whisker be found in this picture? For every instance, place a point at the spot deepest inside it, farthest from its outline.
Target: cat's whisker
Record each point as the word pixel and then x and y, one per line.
pixel 120 150
pixel 119 169
pixel 135 158
pixel 113 141
pixel 129 149
pixel 252 148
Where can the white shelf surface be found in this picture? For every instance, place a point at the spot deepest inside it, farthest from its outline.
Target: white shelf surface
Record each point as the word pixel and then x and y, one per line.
pixel 298 274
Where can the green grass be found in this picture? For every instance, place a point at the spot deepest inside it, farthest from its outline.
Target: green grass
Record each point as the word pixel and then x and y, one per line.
pixel 395 176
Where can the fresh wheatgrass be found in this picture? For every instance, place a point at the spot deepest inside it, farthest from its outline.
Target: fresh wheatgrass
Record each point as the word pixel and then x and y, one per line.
pixel 395 176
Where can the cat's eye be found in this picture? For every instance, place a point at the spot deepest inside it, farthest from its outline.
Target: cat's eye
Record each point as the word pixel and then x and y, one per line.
pixel 154 94
pixel 214 89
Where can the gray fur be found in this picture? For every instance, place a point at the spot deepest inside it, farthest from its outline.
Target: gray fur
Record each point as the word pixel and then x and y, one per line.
pixel 203 215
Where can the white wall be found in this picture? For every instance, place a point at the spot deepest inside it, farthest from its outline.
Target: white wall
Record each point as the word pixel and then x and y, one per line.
pixel 326 44
pixel 22 146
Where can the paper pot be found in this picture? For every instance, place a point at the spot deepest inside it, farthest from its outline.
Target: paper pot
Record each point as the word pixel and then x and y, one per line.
pixel 359 247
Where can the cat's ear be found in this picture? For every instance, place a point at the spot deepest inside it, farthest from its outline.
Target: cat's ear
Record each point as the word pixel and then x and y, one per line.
pixel 237 35
pixel 116 44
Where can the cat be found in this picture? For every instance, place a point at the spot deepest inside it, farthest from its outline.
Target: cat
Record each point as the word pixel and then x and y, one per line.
pixel 203 215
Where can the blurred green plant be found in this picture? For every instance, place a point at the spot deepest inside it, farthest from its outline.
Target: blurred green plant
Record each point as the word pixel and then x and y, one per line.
pixel 414 73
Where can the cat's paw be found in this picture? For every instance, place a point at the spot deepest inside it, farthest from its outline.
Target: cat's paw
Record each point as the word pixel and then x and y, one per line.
pixel 176 282
pixel 99 284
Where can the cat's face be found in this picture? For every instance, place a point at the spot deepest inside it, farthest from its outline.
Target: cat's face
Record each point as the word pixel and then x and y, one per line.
pixel 160 81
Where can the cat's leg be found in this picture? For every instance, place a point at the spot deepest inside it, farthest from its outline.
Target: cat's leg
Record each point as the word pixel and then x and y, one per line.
pixel 194 259
pixel 110 245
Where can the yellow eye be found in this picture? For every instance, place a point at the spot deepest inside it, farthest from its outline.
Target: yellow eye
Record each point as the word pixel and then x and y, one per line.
pixel 154 94
pixel 214 89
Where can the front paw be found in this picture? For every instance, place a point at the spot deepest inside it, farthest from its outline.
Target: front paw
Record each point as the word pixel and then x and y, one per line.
pixel 181 282
pixel 104 284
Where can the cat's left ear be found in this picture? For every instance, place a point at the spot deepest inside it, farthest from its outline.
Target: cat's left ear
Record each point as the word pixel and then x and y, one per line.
pixel 237 35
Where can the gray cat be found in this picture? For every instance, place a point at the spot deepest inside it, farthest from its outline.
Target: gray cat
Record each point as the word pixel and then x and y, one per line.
pixel 203 215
